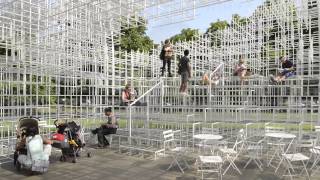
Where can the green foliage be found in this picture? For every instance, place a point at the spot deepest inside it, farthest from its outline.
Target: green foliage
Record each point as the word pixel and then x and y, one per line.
pixel 218 25
pixel 185 35
pixel 237 19
pixel 134 38
pixel 214 27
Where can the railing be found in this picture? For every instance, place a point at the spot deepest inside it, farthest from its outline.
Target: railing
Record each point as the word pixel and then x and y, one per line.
pixel 145 95
pixel 219 68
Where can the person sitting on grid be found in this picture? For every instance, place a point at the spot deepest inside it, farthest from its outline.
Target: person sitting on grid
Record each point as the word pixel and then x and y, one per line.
pixel 287 70
pixel 129 96
pixel 240 70
pixel 106 128
pixel 214 79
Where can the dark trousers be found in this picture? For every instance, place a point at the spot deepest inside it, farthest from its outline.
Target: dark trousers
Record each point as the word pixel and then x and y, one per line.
pixel 168 62
pixel 101 132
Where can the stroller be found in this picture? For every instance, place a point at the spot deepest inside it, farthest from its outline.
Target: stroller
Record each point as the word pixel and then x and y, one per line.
pixel 68 139
pixel 30 152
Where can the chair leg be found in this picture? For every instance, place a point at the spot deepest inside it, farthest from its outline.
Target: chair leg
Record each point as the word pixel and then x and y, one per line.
pixel 175 161
pixel 258 163
pixel 247 163
pixel 305 168
pixel 279 165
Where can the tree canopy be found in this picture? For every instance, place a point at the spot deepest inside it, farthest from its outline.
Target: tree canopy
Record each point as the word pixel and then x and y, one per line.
pixel 185 35
pixel 236 18
pixel 135 38
pixel 218 25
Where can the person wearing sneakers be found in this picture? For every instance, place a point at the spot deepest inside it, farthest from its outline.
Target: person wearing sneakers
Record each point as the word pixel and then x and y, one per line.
pixel 108 127
pixel 185 72
pixel 286 71
pixel 168 53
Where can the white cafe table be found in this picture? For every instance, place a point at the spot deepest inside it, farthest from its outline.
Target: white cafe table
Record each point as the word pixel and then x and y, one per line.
pixel 207 137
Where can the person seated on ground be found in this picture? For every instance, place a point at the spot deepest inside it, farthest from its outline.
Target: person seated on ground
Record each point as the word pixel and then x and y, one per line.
pixel 287 70
pixel 106 128
pixel 240 70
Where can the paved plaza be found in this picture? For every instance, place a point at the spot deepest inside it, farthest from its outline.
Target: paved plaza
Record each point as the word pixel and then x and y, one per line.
pixel 111 165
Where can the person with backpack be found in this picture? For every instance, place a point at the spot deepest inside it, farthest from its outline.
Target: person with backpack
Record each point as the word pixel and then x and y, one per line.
pixel 166 56
pixel 185 72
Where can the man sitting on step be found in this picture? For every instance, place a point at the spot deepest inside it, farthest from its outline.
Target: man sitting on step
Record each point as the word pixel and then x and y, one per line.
pixel 286 71
pixel 106 128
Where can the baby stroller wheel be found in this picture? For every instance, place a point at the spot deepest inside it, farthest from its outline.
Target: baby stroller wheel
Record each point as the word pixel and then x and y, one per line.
pixel 88 154
pixel 74 161
pixel 18 166
pixel 63 158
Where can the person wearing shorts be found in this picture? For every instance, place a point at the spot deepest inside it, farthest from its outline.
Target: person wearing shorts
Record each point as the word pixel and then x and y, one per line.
pixel 185 72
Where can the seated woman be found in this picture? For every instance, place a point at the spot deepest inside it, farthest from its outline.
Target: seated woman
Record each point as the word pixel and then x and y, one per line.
pixel 205 79
pixel 287 70
pixel 214 79
pixel 241 70
pixel 106 128
pixel 128 96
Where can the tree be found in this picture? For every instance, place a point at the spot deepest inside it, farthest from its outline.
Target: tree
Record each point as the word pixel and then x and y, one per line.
pixel 214 27
pixel 218 25
pixel 134 38
pixel 236 18
pixel 185 35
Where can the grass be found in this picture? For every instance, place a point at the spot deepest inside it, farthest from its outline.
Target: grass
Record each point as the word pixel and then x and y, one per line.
pixel 92 123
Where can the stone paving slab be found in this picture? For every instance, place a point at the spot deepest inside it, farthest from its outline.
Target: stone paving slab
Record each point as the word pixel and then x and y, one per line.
pixel 110 165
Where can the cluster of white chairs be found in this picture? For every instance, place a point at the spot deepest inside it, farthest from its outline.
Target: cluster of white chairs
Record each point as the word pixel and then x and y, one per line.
pixel 264 146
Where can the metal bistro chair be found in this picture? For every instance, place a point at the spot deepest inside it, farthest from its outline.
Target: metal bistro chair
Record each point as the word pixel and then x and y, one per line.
pixel 210 164
pixel 177 153
pixel 253 146
pixel 232 154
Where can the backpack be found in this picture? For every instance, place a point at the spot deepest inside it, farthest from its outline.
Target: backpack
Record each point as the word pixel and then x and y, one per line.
pixel 162 53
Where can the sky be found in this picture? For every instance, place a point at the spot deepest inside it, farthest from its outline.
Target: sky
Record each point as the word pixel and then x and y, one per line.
pixel 204 16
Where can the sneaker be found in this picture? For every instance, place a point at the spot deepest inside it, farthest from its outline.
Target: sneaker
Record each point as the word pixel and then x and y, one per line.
pixel 170 75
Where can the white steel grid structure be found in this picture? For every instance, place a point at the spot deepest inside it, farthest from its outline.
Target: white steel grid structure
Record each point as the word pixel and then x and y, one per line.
pixel 58 60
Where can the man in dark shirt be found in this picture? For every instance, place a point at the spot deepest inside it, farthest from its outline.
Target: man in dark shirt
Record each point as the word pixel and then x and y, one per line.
pixel 185 72
pixel 109 127
pixel 287 70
